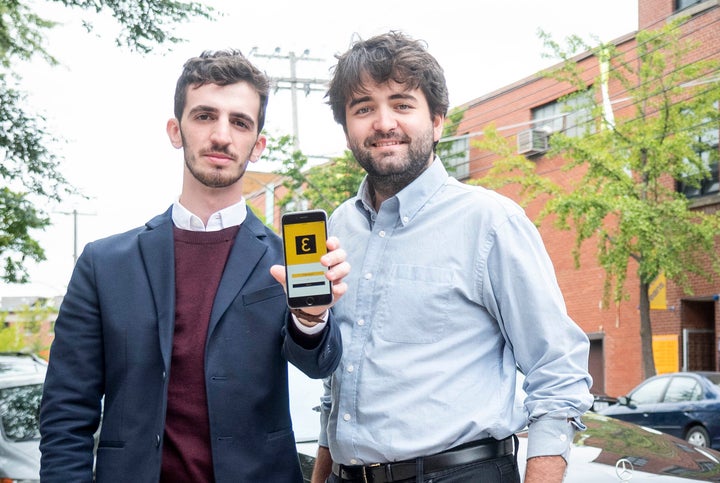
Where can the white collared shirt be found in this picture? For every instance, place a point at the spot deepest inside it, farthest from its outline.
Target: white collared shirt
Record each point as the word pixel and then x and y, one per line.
pixel 233 215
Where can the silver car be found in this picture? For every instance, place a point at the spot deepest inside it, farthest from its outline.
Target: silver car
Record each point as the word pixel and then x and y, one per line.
pixel 21 380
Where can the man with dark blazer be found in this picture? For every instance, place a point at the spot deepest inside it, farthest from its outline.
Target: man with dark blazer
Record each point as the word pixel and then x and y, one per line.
pixel 177 332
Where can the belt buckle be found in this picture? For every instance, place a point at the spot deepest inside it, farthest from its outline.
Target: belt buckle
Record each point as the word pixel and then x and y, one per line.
pixel 368 476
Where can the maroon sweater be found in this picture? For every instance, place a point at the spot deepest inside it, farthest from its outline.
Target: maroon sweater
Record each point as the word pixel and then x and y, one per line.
pixel 199 262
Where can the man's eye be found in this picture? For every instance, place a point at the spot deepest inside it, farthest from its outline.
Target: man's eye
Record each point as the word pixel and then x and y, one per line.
pixel 203 116
pixel 362 110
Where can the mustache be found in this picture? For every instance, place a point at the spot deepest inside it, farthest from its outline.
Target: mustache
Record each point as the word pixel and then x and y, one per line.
pixel 217 149
pixel 391 136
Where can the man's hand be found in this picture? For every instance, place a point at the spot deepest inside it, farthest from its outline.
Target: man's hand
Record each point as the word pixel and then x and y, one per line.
pixel 545 469
pixel 338 269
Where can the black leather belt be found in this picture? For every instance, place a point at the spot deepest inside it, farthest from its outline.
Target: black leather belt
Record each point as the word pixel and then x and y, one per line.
pixel 485 449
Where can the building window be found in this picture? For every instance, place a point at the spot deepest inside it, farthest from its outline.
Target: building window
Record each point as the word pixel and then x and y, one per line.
pixel 683 4
pixel 455 154
pixel 571 115
pixel 706 148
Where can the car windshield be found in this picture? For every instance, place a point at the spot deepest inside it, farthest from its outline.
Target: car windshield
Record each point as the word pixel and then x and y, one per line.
pixel 650 392
pixel 19 411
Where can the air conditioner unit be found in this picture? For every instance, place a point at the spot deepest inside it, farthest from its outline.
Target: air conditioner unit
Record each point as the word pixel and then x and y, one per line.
pixel 532 141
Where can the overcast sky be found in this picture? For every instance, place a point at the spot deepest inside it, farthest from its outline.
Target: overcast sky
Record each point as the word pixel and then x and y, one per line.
pixel 110 106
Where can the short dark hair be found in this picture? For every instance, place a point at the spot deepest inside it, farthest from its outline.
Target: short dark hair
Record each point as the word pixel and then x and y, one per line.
pixel 390 56
pixel 221 67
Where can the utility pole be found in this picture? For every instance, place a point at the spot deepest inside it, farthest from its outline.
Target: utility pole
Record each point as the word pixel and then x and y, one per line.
pixel 293 82
pixel 75 214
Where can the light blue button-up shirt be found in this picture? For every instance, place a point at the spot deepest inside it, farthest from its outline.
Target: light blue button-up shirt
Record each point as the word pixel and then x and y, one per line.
pixel 451 289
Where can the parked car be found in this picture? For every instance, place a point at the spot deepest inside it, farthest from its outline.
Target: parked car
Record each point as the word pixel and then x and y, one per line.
pixel 684 404
pixel 613 450
pixel 609 450
pixel 21 380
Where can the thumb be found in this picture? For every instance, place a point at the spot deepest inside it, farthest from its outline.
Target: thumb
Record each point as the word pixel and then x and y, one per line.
pixel 278 273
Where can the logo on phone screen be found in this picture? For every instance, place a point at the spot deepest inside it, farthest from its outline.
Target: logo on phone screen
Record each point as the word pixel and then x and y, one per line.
pixel 305 244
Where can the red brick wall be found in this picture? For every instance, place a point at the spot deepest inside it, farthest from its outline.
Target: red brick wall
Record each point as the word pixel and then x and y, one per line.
pixel 651 13
pixel 509 109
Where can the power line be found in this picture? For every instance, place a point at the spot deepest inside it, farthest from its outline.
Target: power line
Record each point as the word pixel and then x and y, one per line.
pixel 293 82
pixel 75 214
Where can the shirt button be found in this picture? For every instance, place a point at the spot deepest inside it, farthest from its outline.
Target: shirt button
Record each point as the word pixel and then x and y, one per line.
pixel 361 322
pixel 346 417
pixel 563 437
pixel 367 276
pixel 353 461
pixel 350 368
pixel 405 219
pixel 381 234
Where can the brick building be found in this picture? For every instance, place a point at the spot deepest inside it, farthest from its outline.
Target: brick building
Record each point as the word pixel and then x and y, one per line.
pixel 528 110
pixel 263 193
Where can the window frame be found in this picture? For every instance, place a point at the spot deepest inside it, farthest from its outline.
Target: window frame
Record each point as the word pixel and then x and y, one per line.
pixel 708 143
pixel 571 115
pixel 683 4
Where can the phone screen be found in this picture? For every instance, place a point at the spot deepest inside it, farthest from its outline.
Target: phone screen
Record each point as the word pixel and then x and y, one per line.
pixel 304 237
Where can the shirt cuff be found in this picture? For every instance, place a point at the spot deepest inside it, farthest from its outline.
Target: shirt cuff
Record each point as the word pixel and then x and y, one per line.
pixel 552 437
pixel 315 329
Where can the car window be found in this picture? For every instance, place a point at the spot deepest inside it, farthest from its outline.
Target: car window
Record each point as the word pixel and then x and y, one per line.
pixel 650 392
pixel 683 389
pixel 714 377
pixel 19 411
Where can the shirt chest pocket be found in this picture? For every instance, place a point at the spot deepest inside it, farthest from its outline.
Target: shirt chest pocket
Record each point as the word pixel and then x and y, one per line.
pixel 414 304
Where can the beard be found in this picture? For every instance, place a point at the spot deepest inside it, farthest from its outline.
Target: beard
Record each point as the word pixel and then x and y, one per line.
pixel 389 174
pixel 215 177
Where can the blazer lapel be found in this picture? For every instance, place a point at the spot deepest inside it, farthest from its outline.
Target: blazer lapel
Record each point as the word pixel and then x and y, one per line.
pixel 247 250
pixel 158 254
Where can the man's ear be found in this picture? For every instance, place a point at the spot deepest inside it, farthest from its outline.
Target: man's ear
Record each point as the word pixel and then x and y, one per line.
pixel 259 147
pixel 173 131
pixel 438 125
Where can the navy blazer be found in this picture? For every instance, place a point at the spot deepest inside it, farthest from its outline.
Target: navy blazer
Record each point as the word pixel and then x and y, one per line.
pixel 113 342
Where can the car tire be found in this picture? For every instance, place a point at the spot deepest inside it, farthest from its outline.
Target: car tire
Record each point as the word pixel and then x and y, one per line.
pixel 698 436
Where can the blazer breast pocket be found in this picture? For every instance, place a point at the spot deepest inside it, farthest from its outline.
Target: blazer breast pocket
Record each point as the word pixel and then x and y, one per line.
pixel 263 294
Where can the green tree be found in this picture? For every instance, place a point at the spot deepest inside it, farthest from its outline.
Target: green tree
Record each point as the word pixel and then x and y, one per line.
pixel 625 197
pixel 25 333
pixel 324 186
pixel 11 336
pixel 29 171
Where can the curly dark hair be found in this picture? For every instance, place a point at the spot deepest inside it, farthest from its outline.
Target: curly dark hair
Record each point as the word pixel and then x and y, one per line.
pixel 390 56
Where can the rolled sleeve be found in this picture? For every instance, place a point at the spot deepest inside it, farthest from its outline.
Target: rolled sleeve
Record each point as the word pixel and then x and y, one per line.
pixel 552 437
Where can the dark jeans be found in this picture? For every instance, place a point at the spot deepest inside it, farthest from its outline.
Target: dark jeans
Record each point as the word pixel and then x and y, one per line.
pixel 499 470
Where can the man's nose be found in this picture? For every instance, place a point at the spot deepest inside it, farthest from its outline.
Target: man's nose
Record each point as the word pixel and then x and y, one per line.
pixel 221 133
pixel 385 120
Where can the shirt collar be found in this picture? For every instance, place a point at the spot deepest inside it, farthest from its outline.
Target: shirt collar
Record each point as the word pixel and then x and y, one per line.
pixel 411 198
pixel 231 216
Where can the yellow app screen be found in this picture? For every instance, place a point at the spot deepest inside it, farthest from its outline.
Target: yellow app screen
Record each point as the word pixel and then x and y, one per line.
pixel 304 245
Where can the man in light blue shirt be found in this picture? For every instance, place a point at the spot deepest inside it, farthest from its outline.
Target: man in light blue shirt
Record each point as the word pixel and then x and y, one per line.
pixel 451 291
